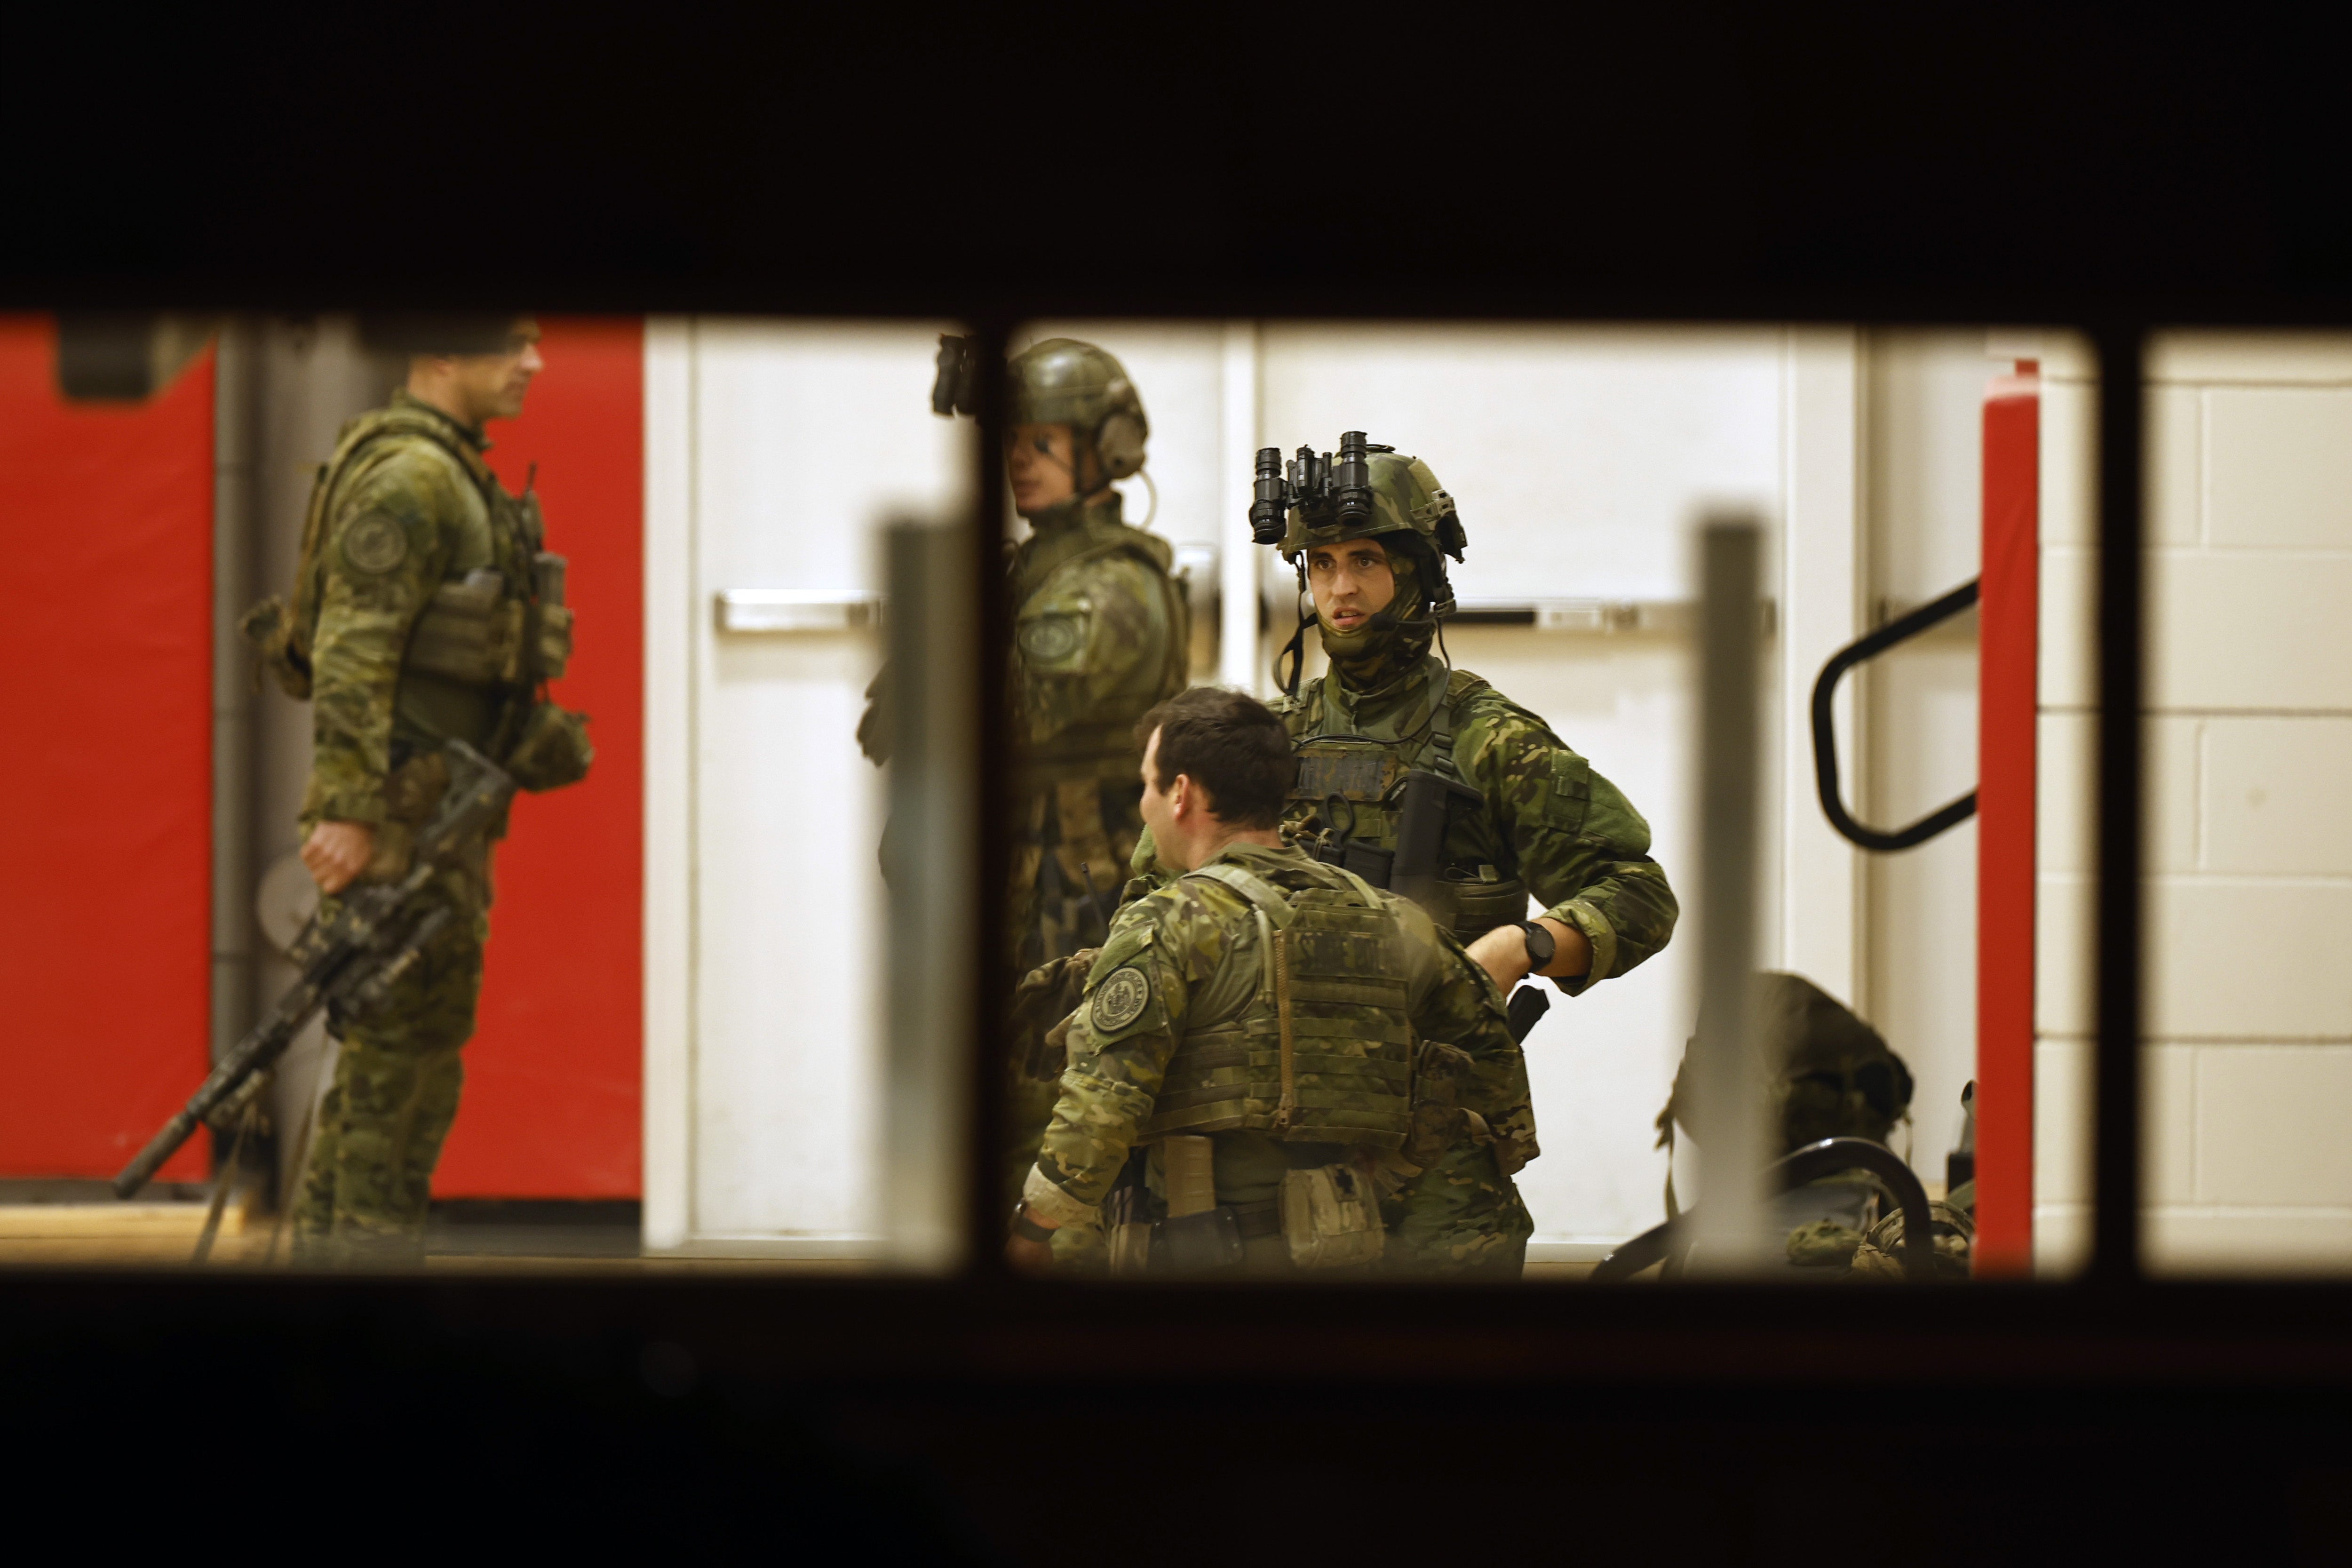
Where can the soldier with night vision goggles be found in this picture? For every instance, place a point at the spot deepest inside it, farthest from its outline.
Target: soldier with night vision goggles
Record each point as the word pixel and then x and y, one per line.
pixel 1425 780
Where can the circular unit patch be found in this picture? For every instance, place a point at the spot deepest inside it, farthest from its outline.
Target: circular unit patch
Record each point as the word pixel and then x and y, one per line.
pixel 1119 1000
pixel 375 544
pixel 1050 640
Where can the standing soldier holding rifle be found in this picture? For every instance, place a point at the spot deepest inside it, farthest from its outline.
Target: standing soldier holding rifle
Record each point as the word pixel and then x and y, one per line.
pixel 426 611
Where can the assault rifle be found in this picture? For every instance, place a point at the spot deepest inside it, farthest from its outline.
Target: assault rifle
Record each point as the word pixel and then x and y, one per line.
pixel 349 962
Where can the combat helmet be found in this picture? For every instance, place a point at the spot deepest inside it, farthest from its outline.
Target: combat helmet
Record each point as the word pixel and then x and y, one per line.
pixel 1065 381
pixel 1058 381
pixel 1362 491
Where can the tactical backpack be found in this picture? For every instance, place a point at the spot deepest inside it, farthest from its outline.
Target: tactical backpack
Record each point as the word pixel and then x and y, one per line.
pixel 1830 1075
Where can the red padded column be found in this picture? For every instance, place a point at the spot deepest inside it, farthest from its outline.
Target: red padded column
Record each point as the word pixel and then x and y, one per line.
pixel 2008 695
pixel 551 1102
pixel 106 797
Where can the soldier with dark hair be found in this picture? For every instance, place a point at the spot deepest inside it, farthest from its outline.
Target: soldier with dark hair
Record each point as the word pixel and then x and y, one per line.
pixel 427 610
pixel 1266 1043
pixel 1505 808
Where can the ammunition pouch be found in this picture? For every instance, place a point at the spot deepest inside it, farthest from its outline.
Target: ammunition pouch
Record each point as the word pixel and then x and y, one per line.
pixel 270 628
pixel 1471 909
pixel 1331 1218
pixel 552 749
pixel 473 633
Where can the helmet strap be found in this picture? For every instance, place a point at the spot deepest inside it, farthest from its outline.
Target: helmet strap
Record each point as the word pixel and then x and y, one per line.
pixel 1295 649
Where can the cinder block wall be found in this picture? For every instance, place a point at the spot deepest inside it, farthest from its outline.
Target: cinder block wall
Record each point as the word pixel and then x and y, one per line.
pixel 2250 767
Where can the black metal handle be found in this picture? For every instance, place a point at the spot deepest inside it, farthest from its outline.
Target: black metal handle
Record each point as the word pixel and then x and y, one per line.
pixel 1669 1242
pixel 1825 764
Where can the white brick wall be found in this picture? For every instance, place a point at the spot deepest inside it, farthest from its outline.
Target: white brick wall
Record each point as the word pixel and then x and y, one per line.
pixel 2250 773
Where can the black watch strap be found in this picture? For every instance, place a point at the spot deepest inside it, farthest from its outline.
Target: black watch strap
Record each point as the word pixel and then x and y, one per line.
pixel 1028 1229
pixel 1542 946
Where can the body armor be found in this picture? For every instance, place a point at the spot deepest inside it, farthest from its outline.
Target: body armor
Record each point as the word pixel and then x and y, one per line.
pixel 1102 745
pixel 1397 812
pixel 1310 1043
pixel 497 620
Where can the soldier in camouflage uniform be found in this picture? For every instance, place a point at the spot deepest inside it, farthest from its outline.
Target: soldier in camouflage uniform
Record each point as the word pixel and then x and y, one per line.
pixel 1311 1037
pixel 425 611
pixel 1100 633
pixel 1522 812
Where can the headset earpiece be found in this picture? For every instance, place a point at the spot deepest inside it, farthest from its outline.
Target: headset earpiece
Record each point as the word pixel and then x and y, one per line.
pixel 1119 439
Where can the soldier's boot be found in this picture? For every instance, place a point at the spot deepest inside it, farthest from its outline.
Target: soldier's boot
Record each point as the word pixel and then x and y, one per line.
pixel 1461 1217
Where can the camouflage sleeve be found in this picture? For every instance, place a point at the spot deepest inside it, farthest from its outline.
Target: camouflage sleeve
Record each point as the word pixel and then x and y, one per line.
pixel 1095 631
pixel 386 549
pixel 1457 1003
pixel 1120 1039
pixel 1582 847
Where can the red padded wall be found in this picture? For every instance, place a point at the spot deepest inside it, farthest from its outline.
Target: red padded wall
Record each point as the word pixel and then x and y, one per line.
pixel 2008 642
pixel 551 1102
pixel 106 792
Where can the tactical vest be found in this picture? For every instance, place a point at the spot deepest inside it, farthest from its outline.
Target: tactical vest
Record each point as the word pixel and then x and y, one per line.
pixel 1104 745
pixel 1383 807
pixel 1317 1046
pixel 502 623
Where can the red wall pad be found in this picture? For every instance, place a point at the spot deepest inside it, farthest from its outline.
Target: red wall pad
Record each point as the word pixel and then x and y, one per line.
pixel 552 1079
pixel 2010 608
pixel 106 793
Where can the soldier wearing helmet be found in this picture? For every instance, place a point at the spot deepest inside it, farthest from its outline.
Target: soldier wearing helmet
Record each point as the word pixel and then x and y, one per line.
pixel 1426 780
pixel 1100 636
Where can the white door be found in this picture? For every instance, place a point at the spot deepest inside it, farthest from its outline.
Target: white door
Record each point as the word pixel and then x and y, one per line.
pixel 776 453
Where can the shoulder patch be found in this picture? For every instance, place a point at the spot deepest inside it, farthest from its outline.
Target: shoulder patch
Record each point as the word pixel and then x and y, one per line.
pixel 1119 1000
pixel 1050 640
pixel 375 544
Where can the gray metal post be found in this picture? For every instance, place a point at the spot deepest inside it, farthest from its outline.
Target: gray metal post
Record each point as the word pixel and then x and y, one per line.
pixel 1731 1132
pixel 237 391
pixel 931 850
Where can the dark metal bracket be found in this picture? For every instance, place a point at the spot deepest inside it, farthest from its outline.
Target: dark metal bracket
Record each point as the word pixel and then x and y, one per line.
pixel 1825 762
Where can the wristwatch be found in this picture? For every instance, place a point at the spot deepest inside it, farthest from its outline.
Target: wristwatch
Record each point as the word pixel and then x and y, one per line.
pixel 1542 946
pixel 1028 1229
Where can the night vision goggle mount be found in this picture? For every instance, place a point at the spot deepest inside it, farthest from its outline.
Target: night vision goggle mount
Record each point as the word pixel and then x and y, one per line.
pixel 1328 490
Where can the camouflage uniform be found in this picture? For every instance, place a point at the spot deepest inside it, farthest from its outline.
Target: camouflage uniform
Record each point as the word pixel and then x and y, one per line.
pixel 416 643
pixel 1100 633
pixel 1530 815
pixel 1402 1044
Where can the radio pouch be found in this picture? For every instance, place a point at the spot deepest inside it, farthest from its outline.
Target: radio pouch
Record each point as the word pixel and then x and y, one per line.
pixel 552 750
pixel 1331 1218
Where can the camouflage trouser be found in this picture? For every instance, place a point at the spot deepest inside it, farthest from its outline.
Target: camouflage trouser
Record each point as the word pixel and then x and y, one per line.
pixel 1460 1217
pixel 381 1126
